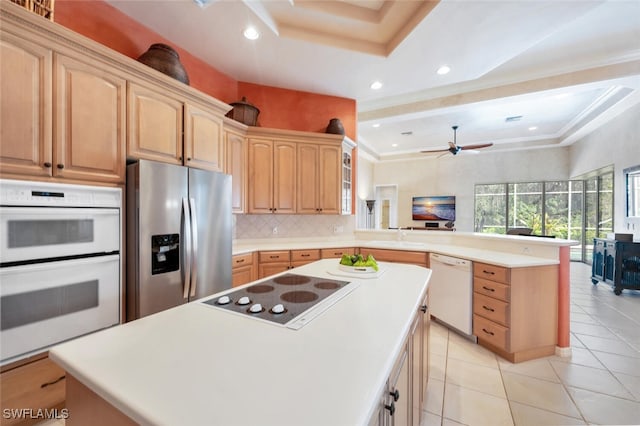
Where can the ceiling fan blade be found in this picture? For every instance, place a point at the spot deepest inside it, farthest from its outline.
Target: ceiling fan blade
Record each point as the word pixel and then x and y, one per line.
pixel 452 145
pixel 477 146
pixel 431 151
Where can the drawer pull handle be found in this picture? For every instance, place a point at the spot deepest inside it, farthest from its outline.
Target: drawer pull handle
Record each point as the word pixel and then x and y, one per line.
pixel 44 385
pixel 488 308
pixel 274 257
pixel 338 253
pixel 395 394
pixel 488 272
pixel 488 332
pixel 487 288
pixel 305 255
pixel 391 407
pixel 240 261
pixel 423 308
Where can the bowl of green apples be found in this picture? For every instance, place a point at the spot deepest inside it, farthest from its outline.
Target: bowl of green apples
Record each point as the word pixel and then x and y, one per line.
pixel 358 263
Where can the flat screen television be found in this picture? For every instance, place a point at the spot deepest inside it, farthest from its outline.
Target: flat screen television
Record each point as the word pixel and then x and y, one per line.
pixel 434 208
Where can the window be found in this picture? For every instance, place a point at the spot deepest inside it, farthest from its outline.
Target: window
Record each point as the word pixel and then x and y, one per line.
pixel 573 209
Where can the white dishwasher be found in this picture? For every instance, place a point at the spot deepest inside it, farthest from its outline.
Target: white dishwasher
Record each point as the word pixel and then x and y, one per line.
pixel 451 292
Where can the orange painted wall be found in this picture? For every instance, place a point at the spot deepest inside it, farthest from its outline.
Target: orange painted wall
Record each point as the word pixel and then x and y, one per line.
pixel 280 108
pixel 105 24
pixel 296 110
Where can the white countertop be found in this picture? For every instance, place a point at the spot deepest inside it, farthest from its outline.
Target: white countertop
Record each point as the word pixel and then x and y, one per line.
pixel 197 365
pixel 508 259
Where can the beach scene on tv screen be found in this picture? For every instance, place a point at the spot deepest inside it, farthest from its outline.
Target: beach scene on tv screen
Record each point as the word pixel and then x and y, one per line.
pixel 434 208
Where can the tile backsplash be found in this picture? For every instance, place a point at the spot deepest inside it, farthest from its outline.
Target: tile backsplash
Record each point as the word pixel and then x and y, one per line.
pixel 247 226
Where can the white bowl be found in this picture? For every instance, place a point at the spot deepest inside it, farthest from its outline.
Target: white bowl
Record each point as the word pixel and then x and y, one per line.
pixel 357 269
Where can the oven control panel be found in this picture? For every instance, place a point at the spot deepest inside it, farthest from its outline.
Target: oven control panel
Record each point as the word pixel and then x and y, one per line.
pixel 29 193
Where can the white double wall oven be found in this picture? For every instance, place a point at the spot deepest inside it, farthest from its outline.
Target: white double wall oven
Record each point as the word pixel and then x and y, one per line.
pixel 60 267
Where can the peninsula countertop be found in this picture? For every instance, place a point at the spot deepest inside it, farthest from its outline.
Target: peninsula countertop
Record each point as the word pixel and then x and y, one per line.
pixel 506 251
pixel 194 364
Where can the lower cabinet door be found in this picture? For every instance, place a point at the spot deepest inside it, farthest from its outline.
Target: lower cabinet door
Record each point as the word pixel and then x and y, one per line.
pixel 37 385
pixel 241 275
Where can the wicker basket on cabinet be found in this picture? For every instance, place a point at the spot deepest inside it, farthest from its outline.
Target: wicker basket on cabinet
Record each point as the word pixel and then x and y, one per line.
pixel 41 7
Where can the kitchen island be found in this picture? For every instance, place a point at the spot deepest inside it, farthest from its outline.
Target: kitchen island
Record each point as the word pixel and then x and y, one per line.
pixel 194 364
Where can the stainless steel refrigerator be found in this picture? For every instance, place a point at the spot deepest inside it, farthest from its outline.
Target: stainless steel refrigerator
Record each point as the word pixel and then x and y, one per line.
pixel 178 236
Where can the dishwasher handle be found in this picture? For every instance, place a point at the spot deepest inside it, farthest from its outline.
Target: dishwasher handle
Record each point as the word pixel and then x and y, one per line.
pixel 451 261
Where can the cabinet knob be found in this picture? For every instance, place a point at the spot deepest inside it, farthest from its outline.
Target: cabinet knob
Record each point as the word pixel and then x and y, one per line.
pixel 47 164
pixel 188 158
pixel 60 166
pixel 423 308
pixel 391 407
pixel 180 158
pixel 395 394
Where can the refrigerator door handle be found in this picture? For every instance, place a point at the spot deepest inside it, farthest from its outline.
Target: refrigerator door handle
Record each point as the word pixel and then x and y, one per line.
pixel 194 237
pixel 186 260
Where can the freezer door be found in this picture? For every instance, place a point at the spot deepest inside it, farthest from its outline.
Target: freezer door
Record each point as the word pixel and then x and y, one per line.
pixel 210 198
pixel 156 248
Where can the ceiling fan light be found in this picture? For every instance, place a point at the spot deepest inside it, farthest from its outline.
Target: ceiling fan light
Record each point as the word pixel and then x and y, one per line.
pixel 376 85
pixel 532 128
pixel 251 33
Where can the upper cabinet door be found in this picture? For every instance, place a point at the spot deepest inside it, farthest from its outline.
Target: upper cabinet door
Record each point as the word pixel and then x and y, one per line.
pixel 155 125
pixel 260 176
pixel 330 183
pixel 90 116
pixel 203 141
pixel 284 177
pixel 25 107
pixel 308 165
pixel 236 164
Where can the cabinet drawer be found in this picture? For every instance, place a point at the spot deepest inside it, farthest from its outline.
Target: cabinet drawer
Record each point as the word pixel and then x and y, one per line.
pixel 399 256
pixel 493 309
pixel 491 272
pixel 305 255
pixel 274 256
pixel 491 332
pixel 333 253
pixel 37 385
pixel 491 289
pixel 240 260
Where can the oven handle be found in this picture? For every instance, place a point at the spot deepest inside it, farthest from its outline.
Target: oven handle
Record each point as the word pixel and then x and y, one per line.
pixel 186 261
pixel 194 238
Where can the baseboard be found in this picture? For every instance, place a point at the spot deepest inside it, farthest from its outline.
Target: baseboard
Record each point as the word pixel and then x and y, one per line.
pixel 563 352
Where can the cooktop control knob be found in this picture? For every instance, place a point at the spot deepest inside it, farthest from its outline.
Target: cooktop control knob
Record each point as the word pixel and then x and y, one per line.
pixel 256 308
pixel 224 300
pixel 244 300
pixel 278 309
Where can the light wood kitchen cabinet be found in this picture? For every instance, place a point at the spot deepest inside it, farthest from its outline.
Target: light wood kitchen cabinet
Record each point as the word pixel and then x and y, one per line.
pixel 236 163
pixel 89 111
pixel 37 385
pixel 165 127
pixel 25 107
pixel 90 117
pixel 419 258
pixel 272 176
pixel 319 179
pixel 274 262
pixel 405 392
pixel 515 310
pixel 337 253
pixel 155 125
pixel 203 138
pixel 244 269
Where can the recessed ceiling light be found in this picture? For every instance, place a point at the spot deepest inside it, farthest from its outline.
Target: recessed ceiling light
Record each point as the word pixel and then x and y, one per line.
pixel 376 85
pixel 394 145
pixel 443 70
pixel 513 118
pixel 251 33
pixel 532 128
pixel 376 125
pixel 409 133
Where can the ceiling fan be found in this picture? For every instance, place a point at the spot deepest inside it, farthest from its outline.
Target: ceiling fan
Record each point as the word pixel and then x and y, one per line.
pixel 454 148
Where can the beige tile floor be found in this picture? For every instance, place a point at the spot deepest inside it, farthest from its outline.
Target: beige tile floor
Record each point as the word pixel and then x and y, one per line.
pixel 599 383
